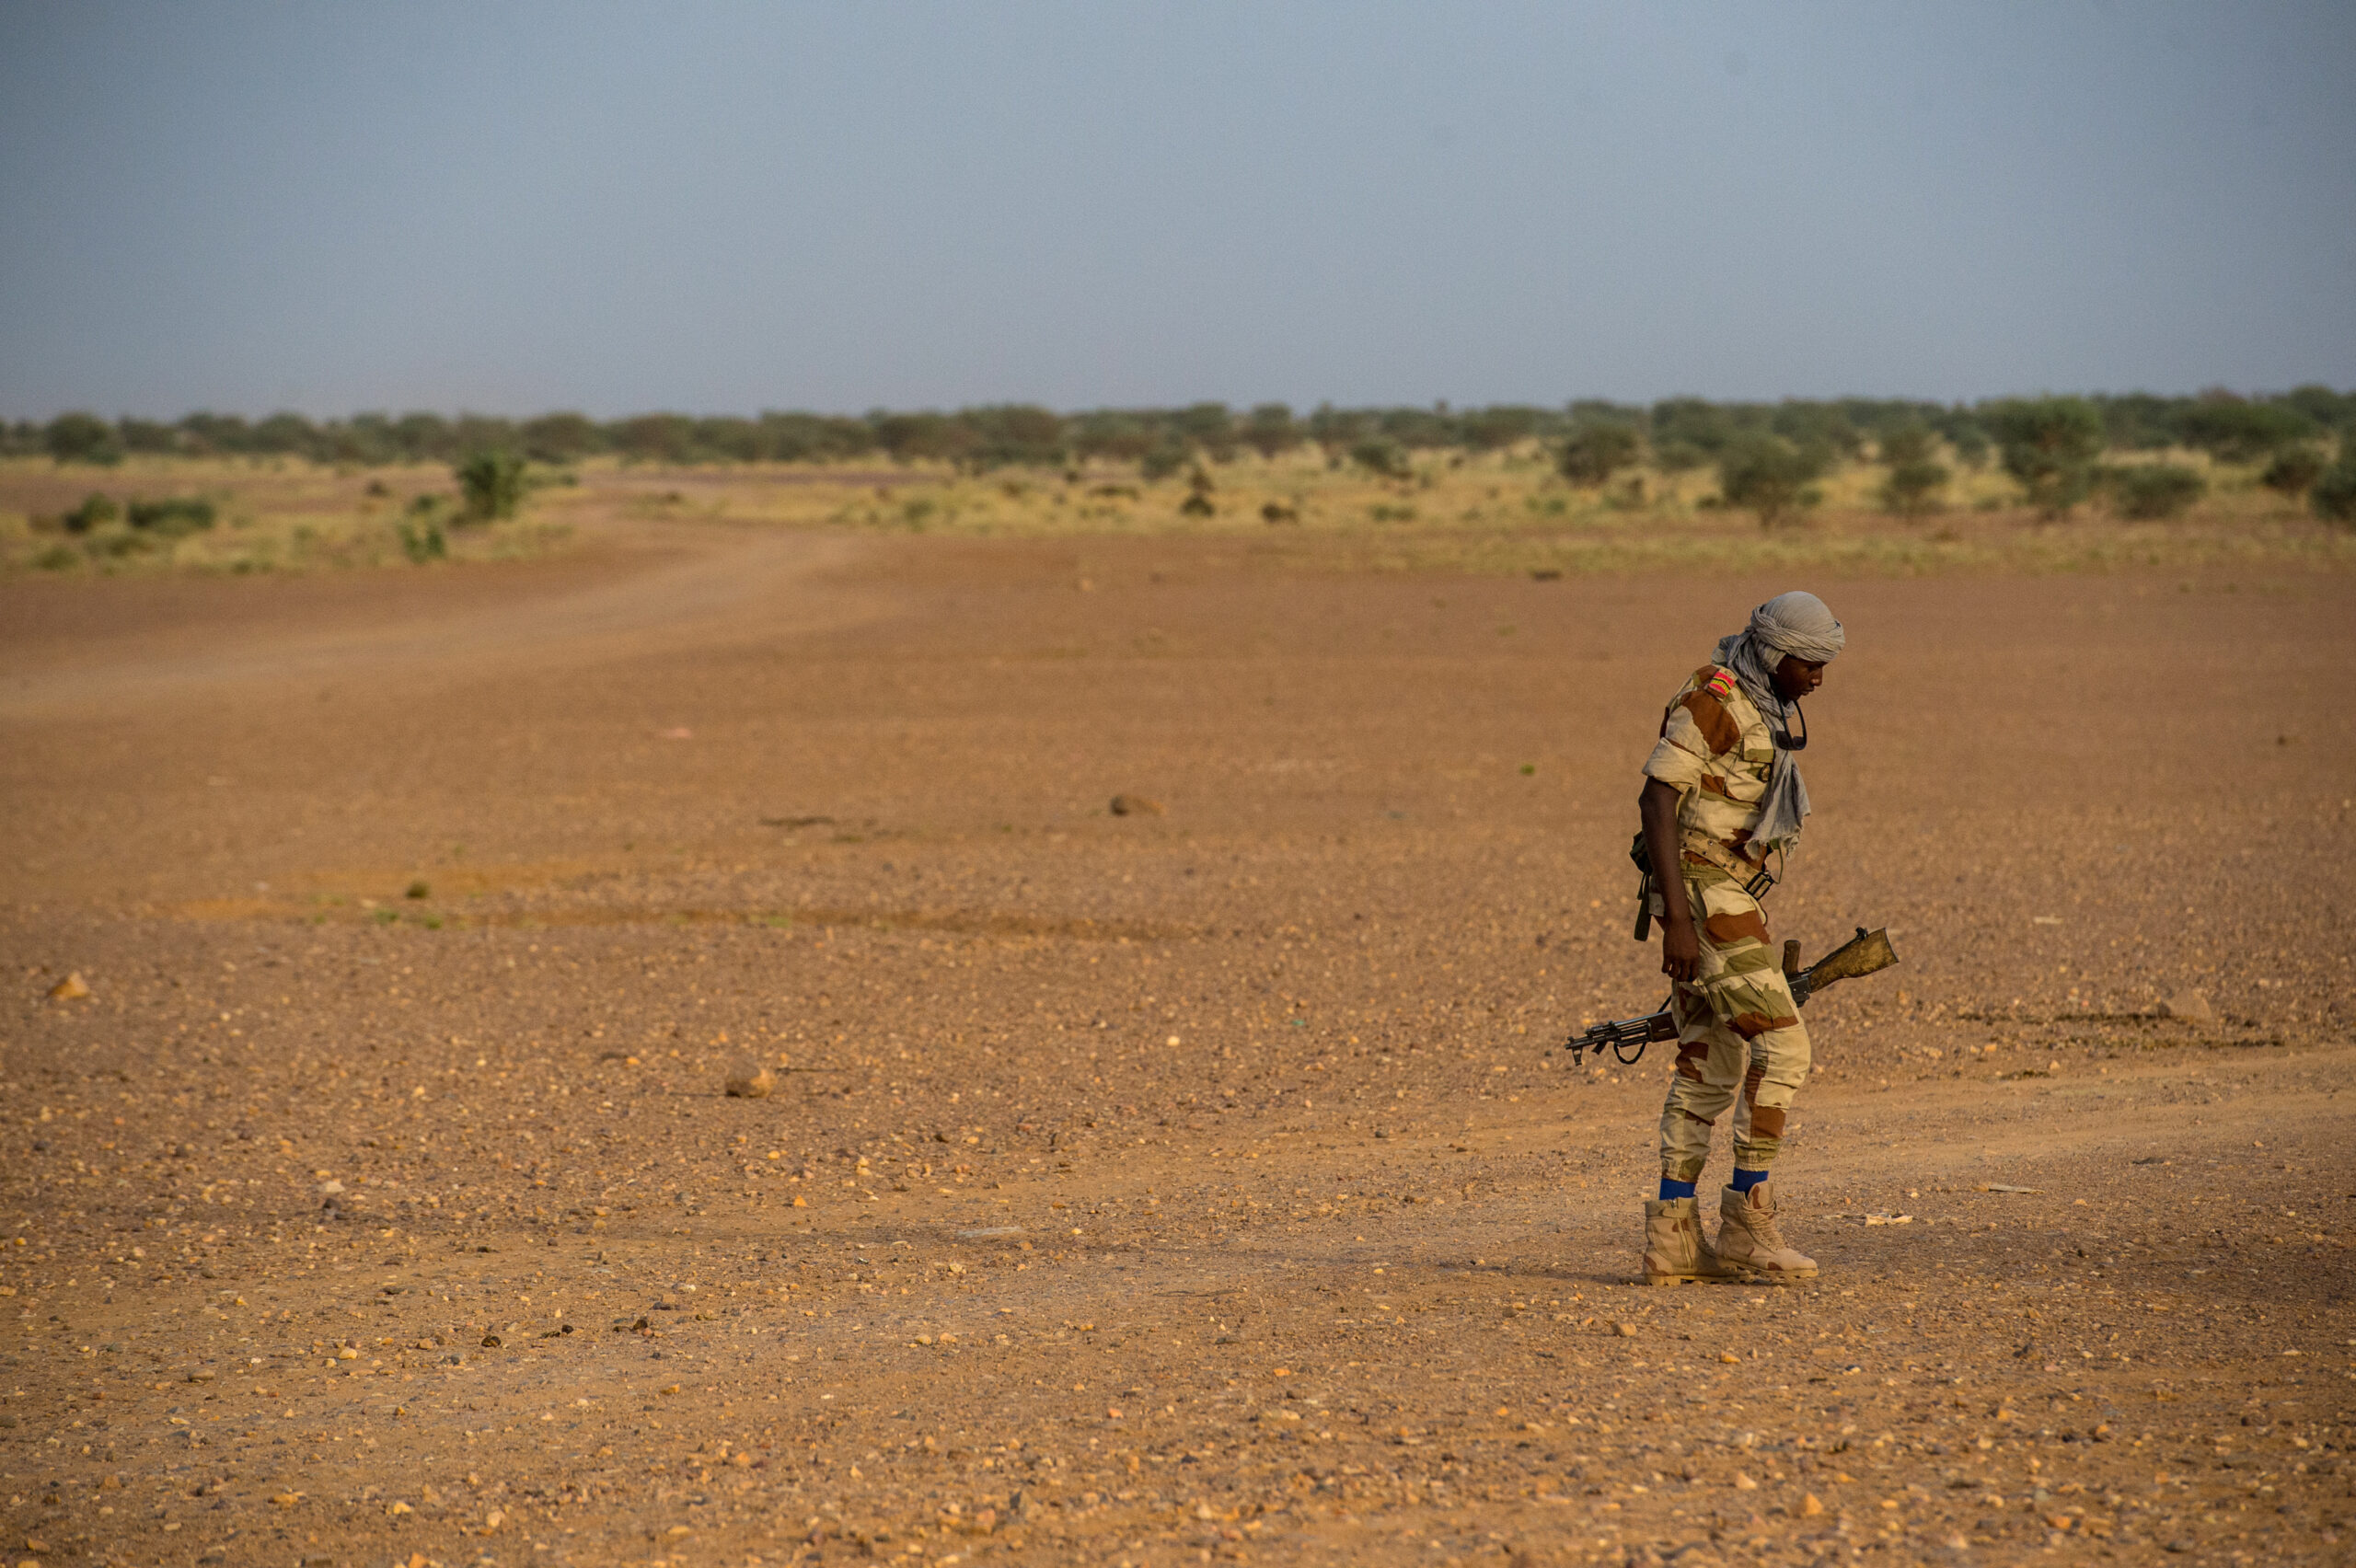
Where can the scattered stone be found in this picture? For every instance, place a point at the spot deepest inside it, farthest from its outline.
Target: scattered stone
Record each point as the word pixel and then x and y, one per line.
pixel 1811 1505
pixel 751 1081
pixel 1744 1483
pixel 1627 1331
pixel 2192 1007
pixel 72 990
pixel 1136 805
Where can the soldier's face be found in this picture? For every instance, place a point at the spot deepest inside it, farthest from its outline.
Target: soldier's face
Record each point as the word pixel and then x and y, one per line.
pixel 1796 677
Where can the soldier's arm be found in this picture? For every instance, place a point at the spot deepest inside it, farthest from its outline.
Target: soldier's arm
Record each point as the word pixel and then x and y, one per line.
pixel 1680 945
pixel 1696 729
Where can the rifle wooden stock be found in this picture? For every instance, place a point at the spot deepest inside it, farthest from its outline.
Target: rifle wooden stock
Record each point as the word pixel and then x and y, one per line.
pixel 1868 952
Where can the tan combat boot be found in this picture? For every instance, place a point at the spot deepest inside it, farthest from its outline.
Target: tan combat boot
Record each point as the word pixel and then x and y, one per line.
pixel 1675 1251
pixel 1749 1241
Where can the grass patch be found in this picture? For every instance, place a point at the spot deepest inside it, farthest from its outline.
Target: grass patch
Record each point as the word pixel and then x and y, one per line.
pixel 1504 512
pixel 232 515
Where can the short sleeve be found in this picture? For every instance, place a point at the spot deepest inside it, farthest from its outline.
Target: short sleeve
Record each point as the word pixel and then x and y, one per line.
pixel 1674 766
pixel 1698 728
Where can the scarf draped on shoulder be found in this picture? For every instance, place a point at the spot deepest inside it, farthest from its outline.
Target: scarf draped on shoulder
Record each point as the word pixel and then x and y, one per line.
pixel 1798 624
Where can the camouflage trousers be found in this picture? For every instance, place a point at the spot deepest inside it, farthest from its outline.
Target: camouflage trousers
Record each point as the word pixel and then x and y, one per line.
pixel 1740 1039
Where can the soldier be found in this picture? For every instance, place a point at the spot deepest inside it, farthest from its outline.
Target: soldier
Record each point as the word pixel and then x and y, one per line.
pixel 1722 796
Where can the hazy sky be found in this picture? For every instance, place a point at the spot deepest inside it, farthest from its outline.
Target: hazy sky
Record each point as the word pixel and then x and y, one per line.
pixel 722 207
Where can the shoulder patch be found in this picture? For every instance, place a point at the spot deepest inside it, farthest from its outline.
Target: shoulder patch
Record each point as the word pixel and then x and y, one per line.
pixel 1720 685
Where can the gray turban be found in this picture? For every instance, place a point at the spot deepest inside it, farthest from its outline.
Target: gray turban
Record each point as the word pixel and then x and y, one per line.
pixel 1798 624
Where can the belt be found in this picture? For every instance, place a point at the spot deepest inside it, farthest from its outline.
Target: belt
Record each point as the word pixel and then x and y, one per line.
pixel 1755 878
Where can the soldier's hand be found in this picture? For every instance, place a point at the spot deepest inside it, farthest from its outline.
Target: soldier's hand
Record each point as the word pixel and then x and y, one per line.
pixel 1680 949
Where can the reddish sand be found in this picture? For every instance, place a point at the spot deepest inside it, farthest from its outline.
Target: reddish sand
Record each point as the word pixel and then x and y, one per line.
pixel 1154 1188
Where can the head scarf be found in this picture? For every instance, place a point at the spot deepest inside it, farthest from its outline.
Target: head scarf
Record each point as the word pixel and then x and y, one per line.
pixel 1798 624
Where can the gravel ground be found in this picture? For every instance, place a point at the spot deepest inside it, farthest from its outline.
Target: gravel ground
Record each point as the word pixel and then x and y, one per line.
pixel 1190 1184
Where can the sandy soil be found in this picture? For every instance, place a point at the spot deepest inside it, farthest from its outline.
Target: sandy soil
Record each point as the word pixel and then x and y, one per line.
pixel 1155 1188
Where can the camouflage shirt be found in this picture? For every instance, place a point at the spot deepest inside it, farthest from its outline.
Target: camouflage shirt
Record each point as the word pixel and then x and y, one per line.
pixel 1715 751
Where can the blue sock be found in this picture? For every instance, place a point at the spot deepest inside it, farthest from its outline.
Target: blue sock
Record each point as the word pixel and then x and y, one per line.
pixel 1746 1180
pixel 1671 1190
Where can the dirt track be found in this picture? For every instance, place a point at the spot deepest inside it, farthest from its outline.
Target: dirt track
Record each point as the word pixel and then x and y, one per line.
pixel 1158 1187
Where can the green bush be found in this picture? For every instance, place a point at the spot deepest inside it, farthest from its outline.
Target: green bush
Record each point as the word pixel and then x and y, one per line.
pixel 146 435
pixel 2334 496
pixel 1163 459
pixel 2233 431
pixel 423 542
pixel 1770 475
pixel 1692 422
pixel 114 543
pixel 561 437
pixel 1810 424
pixel 1494 429
pixel 1678 456
pixel 94 511
pixel 2293 469
pixel 1913 489
pixel 1382 457
pixel 493 481
pixel 1198 495
pixel 1906 444
pixel 2153 490
pixel 1595 452
pixel 1209 428
pixel 173 516
pixel 1019 435
pixel 82 438
pixel 2048 445
pixel 1270 430
pixel 1916 478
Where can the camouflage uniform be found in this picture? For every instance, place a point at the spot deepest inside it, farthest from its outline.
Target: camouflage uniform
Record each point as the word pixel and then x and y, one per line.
pixel 1738 1027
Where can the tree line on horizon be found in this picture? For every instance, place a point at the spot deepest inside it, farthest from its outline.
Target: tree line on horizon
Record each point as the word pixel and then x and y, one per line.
pixel 1768 456
pixel 1677 434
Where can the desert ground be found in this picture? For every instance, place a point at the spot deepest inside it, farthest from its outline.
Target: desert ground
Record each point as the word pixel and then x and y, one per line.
pixel 1192 1184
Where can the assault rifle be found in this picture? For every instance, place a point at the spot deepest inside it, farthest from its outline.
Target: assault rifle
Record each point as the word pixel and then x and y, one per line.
pixel 1865 954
